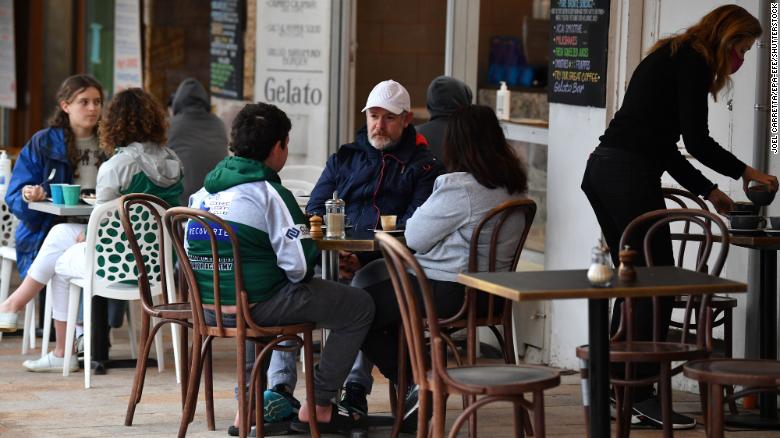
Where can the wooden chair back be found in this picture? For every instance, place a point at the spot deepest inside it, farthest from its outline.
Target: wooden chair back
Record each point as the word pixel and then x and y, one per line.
pixel 141 217
pixel 508 224
pixel 181 220
pixel 657 221
pixel 683 199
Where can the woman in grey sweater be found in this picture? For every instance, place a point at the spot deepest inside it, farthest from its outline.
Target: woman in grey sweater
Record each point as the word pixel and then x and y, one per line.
pixel 484 172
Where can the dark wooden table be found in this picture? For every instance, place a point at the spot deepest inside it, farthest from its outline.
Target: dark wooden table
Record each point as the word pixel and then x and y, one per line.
pixel 571 284
pixel 355 241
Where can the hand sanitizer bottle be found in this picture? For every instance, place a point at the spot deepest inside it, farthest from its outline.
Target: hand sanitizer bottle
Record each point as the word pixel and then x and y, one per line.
pixel 502 102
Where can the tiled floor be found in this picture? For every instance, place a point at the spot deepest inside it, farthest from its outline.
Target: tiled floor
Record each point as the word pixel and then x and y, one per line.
pixel 47 405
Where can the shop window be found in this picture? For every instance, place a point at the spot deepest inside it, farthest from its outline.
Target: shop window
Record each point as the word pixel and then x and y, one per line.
pixel 513 47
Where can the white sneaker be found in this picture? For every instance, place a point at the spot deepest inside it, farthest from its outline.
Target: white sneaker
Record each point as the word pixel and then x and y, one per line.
pixel 50 364
pixel 8 321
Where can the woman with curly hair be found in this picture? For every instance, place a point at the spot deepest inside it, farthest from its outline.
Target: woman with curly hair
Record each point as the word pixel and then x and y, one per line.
pixel 133 134
pixel 69 148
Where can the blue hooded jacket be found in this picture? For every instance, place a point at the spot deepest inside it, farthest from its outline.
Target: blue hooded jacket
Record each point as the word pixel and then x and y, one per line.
pixel 395 180
pixel 45 151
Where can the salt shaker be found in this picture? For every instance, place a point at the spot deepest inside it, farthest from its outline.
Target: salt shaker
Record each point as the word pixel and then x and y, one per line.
pixel 627 256
pixel 599 272
pixel 334 217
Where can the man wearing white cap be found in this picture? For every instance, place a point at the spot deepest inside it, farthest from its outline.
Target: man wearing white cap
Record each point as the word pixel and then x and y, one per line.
pixel 387 170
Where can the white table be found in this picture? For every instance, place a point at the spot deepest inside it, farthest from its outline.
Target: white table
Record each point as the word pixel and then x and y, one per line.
pixel 81 209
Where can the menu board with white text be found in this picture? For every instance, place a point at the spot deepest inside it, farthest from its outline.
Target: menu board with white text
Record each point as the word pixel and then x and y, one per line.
pixel 578 52
pixel 227 48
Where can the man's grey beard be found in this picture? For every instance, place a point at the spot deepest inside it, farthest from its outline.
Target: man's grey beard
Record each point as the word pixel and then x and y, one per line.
pixel 373 142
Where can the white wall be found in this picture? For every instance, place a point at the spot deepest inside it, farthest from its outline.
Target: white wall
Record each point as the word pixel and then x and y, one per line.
pixel 572 230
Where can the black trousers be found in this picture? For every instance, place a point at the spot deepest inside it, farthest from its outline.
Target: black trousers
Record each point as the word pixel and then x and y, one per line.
pixel 620 187
pixel 381 342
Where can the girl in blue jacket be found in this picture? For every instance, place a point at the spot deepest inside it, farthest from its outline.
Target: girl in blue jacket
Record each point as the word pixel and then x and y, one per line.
pixel 68 148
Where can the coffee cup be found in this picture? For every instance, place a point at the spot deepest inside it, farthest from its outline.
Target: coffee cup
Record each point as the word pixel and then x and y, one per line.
pixel 744 208
pixel 56 193
pixel 71 193
pixel 743 222
pixel 388 222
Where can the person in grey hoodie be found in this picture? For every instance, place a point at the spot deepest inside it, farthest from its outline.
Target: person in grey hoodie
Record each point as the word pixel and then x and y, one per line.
pixel 483 173
pixel 197 136
pixel 445 96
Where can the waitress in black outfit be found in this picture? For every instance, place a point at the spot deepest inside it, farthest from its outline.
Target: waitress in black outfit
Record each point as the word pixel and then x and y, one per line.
pixel 666 98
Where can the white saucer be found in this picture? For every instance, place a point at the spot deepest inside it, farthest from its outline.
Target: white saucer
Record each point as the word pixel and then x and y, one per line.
pixel 90 201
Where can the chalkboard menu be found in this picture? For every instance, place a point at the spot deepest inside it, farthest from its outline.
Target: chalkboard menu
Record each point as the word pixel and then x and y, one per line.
pixel 578 58
pixel 227 48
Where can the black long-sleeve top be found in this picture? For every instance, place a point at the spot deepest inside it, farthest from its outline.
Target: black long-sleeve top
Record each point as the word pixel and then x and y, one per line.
pixel 666 98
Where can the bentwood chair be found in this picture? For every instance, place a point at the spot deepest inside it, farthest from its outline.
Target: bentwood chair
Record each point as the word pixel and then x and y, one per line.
pixel 267 339
pixel 503 230
pixel 625 349
pixel 722 306
pixel 715 375
pixel 137 212
pixel 492 383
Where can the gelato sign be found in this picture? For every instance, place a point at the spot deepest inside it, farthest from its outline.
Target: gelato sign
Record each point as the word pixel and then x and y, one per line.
pixel 293 70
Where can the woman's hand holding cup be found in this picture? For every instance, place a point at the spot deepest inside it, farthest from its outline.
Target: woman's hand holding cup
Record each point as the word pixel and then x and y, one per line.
pixel 33 193
pixel 753 174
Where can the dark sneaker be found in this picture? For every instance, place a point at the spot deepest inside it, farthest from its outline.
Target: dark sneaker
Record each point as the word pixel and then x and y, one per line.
pixel 412 409
pixel 279 405
pixel 613 412
pixel 353 400
pixel 341 422
pixel 649 412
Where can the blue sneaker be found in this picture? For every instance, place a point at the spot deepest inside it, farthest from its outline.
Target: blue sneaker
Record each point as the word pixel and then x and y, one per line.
pixel 279 405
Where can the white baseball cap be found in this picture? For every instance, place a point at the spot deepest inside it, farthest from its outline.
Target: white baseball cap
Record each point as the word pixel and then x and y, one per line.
pixel 389 95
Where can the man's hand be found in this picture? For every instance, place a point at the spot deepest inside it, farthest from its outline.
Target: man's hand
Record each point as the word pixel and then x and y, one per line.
pixel 81 237
pixel 722 203
pixel 348 264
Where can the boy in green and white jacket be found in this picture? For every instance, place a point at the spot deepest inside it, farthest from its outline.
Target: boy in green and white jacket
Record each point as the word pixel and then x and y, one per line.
pixel 277 255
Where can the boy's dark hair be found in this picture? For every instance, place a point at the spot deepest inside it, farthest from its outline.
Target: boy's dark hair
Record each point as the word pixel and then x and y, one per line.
pixel 256 128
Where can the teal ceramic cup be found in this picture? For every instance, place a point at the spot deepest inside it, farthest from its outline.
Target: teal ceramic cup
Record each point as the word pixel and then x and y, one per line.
pixel 71 193
pixel 56 193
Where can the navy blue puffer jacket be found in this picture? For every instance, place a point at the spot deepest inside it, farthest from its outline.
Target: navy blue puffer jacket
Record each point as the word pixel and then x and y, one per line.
pixel 375 182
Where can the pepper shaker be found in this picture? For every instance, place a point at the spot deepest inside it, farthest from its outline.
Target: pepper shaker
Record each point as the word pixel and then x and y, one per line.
pixel 627 257
pixel 315 229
